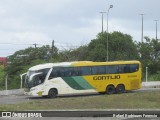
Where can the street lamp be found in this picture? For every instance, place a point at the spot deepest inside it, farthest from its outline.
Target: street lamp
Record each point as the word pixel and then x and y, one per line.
pixel 111 6
pixel 142 27
pixel 102 20
pixel 156 29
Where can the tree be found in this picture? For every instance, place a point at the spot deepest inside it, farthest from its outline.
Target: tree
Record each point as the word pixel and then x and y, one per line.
pixel 120 47
pixel 149 52
pixel 77 54
pixel 22 60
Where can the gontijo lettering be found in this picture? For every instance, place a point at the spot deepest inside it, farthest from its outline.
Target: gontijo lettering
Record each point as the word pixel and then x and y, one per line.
pixel 109 77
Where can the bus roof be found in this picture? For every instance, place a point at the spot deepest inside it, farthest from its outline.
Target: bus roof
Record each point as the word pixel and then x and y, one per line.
pixel 41 66
pixel 60 64
pixel 79 63
pixel 90 63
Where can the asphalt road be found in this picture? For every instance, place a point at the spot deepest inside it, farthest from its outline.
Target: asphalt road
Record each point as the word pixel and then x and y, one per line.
pixel 13 99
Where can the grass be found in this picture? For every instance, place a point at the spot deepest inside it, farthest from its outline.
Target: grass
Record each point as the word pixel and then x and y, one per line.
pixel 155 77
pixel 2 74
pixel 136 100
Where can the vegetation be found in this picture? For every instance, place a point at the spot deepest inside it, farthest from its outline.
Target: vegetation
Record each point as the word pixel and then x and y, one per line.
pixel 2 77
pixel 121 47
pixel 135 100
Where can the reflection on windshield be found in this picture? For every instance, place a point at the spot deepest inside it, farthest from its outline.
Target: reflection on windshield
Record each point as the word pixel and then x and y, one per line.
pixel 34 78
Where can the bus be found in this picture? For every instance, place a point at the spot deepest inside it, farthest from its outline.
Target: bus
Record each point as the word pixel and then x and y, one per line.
pixel 53 79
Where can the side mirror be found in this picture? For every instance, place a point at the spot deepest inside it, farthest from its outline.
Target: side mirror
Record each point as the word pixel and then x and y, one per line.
pixel 31 77
pixel 22 78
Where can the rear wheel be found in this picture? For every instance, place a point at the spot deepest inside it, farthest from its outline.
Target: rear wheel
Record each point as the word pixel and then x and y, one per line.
pixel 120 89
pixel 110 89
pixel 52 93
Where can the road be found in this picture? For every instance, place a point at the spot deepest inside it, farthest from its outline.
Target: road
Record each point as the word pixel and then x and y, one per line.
pixel 13 99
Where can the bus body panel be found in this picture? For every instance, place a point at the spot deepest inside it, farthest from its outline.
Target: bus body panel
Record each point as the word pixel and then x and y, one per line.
pixel 62 87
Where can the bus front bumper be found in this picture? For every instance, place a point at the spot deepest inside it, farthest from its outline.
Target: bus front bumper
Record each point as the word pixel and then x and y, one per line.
pixel 34 93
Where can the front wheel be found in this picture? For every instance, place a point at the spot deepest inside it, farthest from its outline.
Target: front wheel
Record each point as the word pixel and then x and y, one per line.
pixel 52 93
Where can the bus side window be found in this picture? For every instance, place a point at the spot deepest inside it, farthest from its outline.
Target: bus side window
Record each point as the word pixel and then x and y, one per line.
pixel 75 71
pixel 124 69
pixel 53 74
pixel 111 69
pixel 85 70
pixel 61 72
pixel 79 73
pixel 68 71
pixel 98 70
pixel 134 68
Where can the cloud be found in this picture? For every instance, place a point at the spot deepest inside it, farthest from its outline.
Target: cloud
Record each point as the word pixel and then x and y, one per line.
pixel 72 21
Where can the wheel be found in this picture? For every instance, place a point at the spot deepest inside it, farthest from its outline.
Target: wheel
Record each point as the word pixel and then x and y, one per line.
pixel 120 89
pixel 110 89
pixel 52 93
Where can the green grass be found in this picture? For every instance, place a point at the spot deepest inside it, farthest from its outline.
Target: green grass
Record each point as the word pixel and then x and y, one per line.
pixel 151 77
pixel 155 77
pixel 137 100
pixel 2 75
pixel 1 72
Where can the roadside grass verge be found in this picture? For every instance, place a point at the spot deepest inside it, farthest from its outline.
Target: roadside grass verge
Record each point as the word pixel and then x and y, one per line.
pixel 132 100
pixel 2 77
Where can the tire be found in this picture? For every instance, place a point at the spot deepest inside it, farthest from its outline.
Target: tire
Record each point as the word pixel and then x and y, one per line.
pixel 110 89
pixel 52 93
pixel 120 89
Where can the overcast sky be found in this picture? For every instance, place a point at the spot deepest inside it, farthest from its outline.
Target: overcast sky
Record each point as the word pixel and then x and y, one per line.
pixel 71 22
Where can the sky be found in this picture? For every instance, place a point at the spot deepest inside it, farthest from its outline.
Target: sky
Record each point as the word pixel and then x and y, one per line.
pixel 71 23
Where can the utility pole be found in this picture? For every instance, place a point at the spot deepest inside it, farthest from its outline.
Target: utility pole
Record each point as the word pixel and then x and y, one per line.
pixel 102 20
pixel 52 46
pixel 142 28
pixel 146 74
pixel 111 6
pixel 156 29
pixel 6 84
pixel 35 45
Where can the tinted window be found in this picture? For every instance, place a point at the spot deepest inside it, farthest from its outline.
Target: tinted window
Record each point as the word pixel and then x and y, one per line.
pixel 67 72
pixel 64 72
pixel 54 73
pixel 134 67
pixel 128 68
pixel 85 71
pixel 98 70
pixel 80 71
pixel 124 68
pixel 112 69
pixel 71 71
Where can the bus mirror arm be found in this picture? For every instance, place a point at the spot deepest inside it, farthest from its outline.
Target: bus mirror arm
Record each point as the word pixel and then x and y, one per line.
pixel 31 77
pixel 21 76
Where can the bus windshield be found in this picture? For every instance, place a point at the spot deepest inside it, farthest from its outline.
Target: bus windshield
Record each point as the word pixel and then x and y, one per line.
pixel 34 78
